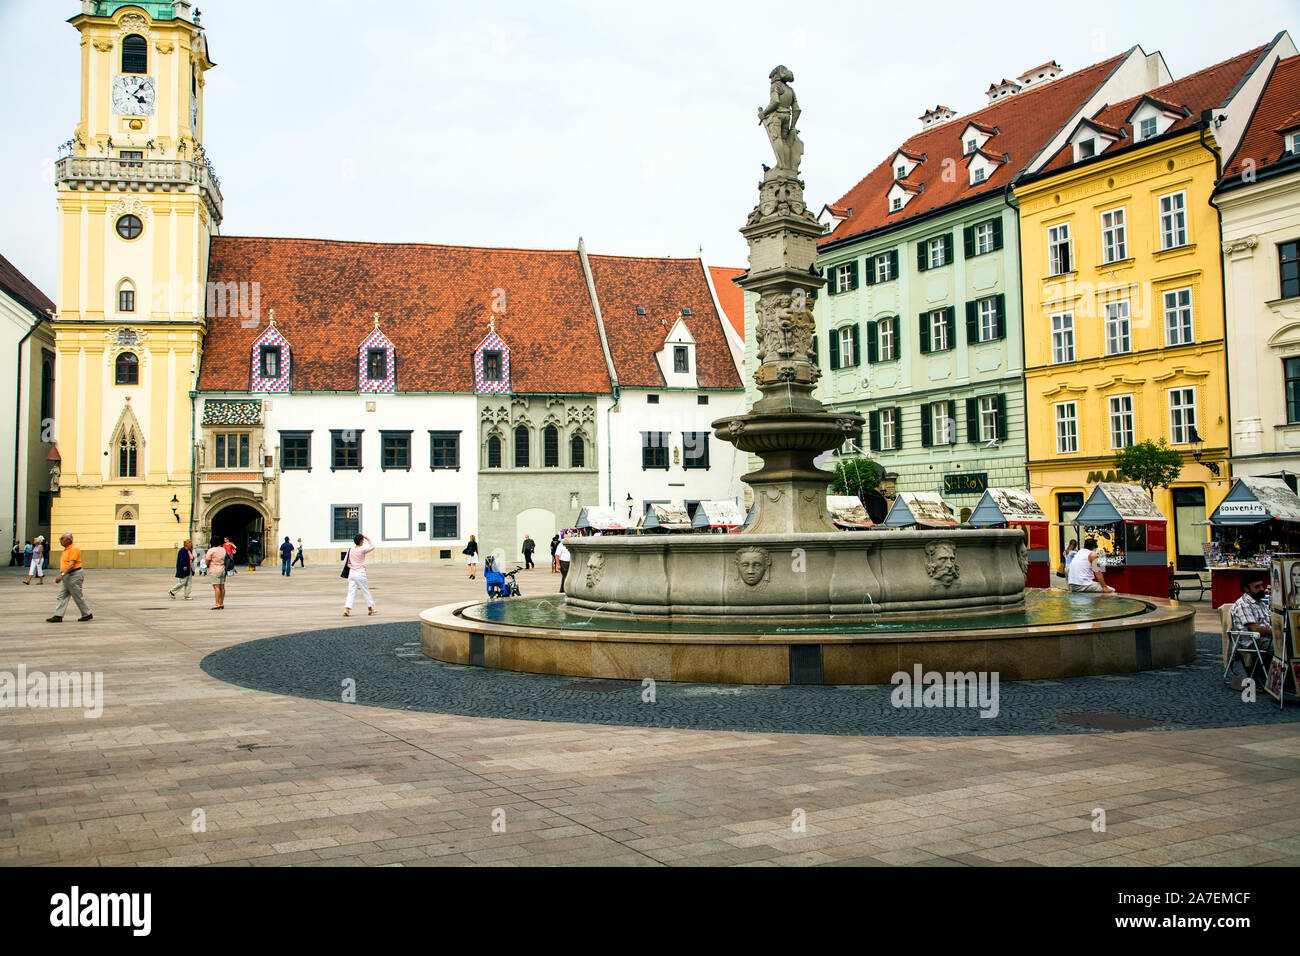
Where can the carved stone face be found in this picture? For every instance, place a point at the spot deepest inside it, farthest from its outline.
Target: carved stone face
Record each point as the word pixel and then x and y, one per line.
pixel 1022 553
pixel 753 565
pixel 941 562
pixel 595 568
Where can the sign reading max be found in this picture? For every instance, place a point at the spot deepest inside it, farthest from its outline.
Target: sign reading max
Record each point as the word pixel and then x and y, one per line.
pixel 975 483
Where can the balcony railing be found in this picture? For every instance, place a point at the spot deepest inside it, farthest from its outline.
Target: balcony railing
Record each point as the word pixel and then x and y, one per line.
pixel 106 172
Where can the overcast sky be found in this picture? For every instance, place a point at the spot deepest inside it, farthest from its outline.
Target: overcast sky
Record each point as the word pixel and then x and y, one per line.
pixel 529 124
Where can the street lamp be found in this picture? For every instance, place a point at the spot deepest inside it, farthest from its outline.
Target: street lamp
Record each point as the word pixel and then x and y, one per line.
pixel 630 503
pixel 1197 444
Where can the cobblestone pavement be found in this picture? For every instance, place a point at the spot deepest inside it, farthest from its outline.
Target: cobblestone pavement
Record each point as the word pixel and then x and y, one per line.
pixel 293 780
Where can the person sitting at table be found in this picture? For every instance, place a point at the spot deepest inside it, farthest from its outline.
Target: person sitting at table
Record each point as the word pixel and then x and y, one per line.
pixel 1250 612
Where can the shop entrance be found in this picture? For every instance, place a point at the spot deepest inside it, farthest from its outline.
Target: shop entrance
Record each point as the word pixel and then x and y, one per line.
pixel 1068 505
pixel 1189 529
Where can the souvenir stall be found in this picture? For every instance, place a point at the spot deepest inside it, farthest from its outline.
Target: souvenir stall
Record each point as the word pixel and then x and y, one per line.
pixel 598 519
pixel 848 513
pixel 1258 518
pixel 666 519
pixel 1016 508
pixel 1131 530
pixel 920 509
pixel 718 516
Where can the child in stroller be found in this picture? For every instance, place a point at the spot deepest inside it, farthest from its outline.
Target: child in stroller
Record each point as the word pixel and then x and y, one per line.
pixel 499 584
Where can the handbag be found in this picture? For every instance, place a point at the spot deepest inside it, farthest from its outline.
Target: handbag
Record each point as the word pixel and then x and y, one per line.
pixel 346 569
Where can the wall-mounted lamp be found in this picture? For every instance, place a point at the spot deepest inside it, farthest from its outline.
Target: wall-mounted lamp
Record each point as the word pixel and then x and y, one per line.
pixel 1197 444
pixel 630 503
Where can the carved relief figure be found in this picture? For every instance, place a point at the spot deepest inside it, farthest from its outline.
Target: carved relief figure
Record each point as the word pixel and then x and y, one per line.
pixel 595 568
pixel 753 565
pixel 778 118
pixel 1022 553
pixel 941 562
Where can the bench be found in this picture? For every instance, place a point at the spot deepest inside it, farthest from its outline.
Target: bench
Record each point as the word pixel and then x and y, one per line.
pixel 1180 581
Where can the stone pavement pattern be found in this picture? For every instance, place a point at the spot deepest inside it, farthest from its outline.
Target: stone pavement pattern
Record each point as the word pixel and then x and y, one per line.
pixel 295 781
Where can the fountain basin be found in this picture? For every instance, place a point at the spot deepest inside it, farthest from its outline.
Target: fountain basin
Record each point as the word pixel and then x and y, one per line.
pixel 1051 635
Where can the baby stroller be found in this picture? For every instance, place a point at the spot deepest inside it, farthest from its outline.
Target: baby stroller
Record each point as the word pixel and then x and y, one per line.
pixel 500 584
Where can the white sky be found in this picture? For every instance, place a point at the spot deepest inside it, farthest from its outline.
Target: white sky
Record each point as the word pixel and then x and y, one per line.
pixel 528 124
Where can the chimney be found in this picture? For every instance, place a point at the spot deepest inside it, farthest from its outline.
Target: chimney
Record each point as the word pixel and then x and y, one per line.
pixel 936 117
pixel 1040 75
pixel 1000 91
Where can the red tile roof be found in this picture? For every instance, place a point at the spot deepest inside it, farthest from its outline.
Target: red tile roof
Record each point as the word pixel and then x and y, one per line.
pixel 1027 121
pixel 22 289
pixel 730 296
pixel 663 287
pixel 1198 91
pixel 1275 114
pixel 434 303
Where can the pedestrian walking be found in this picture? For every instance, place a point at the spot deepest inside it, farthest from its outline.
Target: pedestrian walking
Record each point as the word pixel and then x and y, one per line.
pixel 36 564
pixel 286 556
pixel 357 580
pixel 471 556
pixel 555 562
pixel 297 558
pixel 16 554
pixel 230 556
pixel 216 560
pixel 254 554
pixel 70 582
pixel 184 570
pixel 529 547
pixel 562 555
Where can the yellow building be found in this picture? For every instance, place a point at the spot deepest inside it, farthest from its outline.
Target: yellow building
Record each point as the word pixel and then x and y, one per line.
pixel 1123 302
pixel 137 205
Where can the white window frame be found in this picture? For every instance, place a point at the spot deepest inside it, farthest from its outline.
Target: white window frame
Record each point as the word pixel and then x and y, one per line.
pixel 900 172
pixel 1294 140
pixel 988 420
pixel 882 264
pixel 1182 417
pixel 978 174
pixel 1180 327
pixel 1122 421
pixel 888 430
pixel 848 358
pixel 843 276
pixel 897 204
pixel 886 347
pixel 988 316
pixel 934 252
pixel 1173 222
pixel 1114 235
pixel 1067 428
pixel 1062 338
pixel 943 430
pixel 983 238
pixel 1058 236
pixel 939 332
pixel 1155 128
pixel 972 144
pixel 1119 327
pixel 1085 148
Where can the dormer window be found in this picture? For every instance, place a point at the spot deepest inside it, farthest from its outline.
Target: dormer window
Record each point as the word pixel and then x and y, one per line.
pixel 1087 148
pixel 900 172
pixel 270 361
pixel 896 205
pixel 979 174
pixel 681 359
pixel 971 146
pixel 135 54
pixel 492 366
pixel 1294 140
pixel 1148 128
pixel 376 363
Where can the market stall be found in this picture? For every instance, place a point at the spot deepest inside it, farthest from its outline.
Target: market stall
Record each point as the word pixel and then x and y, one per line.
pixel 1016 508
pixel 595 519
pixel 1131 530
pixel 848 513
pixel 664 519
pixel 921 509
pixel 1259 517
pixel 721 516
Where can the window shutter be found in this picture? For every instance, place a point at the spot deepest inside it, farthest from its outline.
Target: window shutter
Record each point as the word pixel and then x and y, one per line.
pixel 869 276
pixel 898 428
pixel 950 322
pixel 968 239
pixel 926 437
pixel 898 322
pixel 947 248
pixel 853 274
pixel 1002 418
pixel 893 263
pixel 973 420
pixel 816 350
pixel 835 349
pixel 972 323
pixel 952 419
pixel 873 425
pixel 924 322
pixel 997 233
pixel 1000 311
pixel 857 347
pixel 830 280
pixel 873 344
pixel 922 261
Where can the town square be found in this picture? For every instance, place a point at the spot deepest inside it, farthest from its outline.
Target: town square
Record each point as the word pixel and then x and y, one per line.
pixel 479 442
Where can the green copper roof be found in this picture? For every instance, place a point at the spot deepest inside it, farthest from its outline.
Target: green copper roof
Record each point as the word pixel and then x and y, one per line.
pixel 157 9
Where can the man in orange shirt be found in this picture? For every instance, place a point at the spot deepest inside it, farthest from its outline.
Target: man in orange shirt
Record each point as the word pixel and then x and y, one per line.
pixel 69 581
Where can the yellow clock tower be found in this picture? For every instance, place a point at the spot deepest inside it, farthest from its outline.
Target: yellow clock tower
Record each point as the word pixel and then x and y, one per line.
pixel 138 203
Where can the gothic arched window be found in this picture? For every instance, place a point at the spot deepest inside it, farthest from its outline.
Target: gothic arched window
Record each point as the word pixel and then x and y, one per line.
pixel 127 452
pixel 127 369
pixel 550 447
pixel 135 54
pixel 521 447
pixel 493 451
pixel 577 452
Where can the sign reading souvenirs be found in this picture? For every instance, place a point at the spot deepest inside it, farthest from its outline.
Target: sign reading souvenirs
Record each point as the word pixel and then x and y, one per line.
pixel 1243 508
pixel 975 483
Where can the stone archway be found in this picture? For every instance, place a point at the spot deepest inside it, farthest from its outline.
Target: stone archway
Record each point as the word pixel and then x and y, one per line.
pixel 240 518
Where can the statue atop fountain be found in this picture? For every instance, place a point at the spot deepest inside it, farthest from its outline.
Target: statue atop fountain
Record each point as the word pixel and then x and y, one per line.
pixel 788 428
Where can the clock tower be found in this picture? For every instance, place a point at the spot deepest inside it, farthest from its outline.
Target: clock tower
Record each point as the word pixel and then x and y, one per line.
pixel 138 203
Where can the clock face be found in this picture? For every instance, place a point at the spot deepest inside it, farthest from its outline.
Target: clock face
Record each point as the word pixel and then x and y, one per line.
pixel 133 95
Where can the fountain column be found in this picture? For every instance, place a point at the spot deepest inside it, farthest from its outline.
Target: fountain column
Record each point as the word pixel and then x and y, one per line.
pixel 787 427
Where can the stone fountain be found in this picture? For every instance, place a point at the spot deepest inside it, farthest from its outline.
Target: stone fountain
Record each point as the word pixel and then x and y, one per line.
pixel 791 599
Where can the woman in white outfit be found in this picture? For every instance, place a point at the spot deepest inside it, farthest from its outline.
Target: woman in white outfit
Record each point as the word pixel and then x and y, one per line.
pixel 37 567
pixel 357 574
